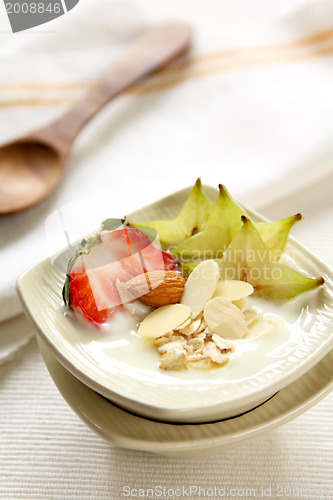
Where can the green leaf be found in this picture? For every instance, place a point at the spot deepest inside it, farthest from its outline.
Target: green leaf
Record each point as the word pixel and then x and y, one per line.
pixel 66 287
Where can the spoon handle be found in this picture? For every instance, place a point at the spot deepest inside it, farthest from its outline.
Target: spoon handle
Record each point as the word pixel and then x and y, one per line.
pixel 153 49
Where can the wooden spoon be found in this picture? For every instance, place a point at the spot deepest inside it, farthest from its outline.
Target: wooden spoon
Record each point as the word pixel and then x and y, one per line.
pixel 32 166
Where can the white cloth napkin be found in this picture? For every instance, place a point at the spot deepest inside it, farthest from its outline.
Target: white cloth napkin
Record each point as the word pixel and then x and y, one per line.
pixel 251 108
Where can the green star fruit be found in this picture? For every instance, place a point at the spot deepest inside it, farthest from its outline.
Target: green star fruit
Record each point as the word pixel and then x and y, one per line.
pixel 223 224
pixel 247 258
pixel 191 218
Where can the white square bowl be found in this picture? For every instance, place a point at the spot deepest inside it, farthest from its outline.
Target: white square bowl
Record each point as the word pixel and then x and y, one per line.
pixel 193 396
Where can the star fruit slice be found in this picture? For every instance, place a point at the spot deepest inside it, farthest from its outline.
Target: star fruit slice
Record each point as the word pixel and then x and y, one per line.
pixel 247 258
pixel 192 217
pixel 275 234
pixel 222 225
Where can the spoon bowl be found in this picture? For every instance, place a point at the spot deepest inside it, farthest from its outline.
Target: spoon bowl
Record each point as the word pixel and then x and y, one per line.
pixel 29 171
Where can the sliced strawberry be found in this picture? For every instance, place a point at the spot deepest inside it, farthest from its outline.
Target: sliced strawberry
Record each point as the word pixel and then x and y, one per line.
pixel 81 297
pixel 121 254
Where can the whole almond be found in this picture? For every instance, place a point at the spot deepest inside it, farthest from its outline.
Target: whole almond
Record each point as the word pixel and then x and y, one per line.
pixel 157 288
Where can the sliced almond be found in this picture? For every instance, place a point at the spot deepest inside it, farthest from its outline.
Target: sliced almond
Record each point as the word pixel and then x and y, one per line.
pixel 240 303
pixel 191 328
pixel 202 326
pixel 233 289
pixel 224 318
pixel 185 324
pixel 250 315
pixel 230 329
pixel 165 339
pixel 200 315
pixel 163 320
pixel 200 286
pixel 200 335
pixel 260 327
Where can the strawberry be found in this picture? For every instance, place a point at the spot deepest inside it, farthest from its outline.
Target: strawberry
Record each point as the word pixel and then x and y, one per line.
pixel 81 297
pixel 121 254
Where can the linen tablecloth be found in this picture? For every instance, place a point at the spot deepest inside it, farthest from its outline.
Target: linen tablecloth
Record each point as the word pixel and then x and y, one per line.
pixel 251 107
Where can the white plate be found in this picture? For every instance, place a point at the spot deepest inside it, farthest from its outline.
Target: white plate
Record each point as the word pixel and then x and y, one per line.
pixel 131 431
pixel 124 371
